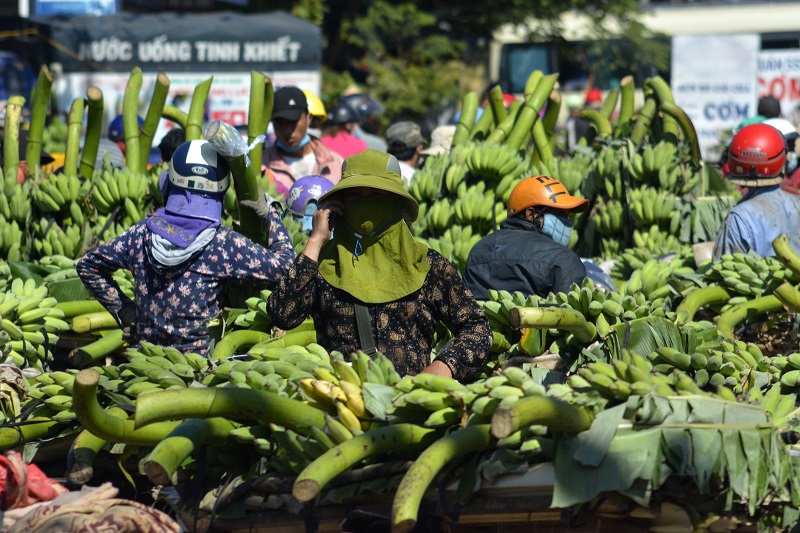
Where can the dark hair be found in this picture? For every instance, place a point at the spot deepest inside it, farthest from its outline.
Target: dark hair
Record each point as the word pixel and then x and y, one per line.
pixel 401 151
pixel 769 106
pixel 174 138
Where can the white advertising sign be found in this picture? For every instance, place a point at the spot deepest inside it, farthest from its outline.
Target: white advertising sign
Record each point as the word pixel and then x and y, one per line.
pixel 228 99
pixel 714 81
pixel 779 75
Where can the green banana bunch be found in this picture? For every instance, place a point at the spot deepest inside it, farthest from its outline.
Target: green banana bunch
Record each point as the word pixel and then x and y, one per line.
pixel 53 193
pixel 475 207
pixel 17 207
pixel 11 239
pixel 749 274
pixel 492 162
pixel 609 218
pixel 425 185
pixel 112 188
pixel 440 216
pixel 256 316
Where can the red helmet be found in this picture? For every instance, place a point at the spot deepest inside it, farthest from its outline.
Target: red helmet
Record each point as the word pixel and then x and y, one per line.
pixel 757 156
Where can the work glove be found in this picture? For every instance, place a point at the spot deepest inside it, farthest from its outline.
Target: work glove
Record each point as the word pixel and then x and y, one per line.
pixel 127 319
pixel 261 206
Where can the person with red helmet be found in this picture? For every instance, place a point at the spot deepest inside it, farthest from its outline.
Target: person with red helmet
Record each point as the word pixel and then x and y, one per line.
pixel 757 158
pixel 529 252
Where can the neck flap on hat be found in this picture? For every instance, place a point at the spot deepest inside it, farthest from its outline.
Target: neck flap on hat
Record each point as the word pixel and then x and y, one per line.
pixel 377 267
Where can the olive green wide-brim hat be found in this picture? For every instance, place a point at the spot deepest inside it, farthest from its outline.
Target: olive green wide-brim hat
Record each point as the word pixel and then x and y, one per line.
pixel 375 170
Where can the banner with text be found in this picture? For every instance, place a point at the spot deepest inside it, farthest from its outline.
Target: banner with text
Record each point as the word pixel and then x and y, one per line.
pixel 714 81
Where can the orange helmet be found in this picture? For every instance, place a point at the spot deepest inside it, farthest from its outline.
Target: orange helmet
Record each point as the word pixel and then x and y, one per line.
pixel 543 191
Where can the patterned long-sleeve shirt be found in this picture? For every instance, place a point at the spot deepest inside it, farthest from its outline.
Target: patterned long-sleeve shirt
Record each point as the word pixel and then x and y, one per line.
pixel 174 304
pixel 403 329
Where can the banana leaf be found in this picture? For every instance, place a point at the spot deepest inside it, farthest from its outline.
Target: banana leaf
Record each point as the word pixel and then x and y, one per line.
pixel 707 216
pixel 643 335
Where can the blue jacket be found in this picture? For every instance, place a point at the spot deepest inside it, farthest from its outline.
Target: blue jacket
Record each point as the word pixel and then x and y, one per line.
pixel 518 257
pixel 763 214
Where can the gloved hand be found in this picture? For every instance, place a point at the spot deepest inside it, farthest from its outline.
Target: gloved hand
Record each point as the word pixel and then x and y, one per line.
pixel 260 206
pixel 127 319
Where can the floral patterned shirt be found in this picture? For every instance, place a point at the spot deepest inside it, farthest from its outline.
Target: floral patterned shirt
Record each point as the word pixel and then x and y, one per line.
pixel 174 304
pixel 403 328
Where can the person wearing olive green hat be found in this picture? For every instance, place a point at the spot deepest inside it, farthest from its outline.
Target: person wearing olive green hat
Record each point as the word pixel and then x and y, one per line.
pixel 370 284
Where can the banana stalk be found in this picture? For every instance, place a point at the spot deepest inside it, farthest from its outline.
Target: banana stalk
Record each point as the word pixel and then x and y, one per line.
pixel 295 338
pixel 188 436
pixel 245 183
pixel 530 111
pixel 532 83
pixel 87 322
pixel 642 125
pixel 551 112
pixel 788 295
pixel 687 127
pixel 93 353
pixel 483 124
pixel 670 127
pixel 79 307
pixel 35 428
pixel 130 122
pixel 173 114
pixel 154 111
pixel 84 449
pixel 74 129
pixel 496 103
pixel 469 109
pixel 94 126
pixel 500 131
pixel 232 403
pixel 698 298
pixel 262 95
pixel 11 143
pixel 424 469
pixel 553 317
pixel 542 144
pixel 610 103
pixel 785 254
pixel 601 125
pixel 39 102
pixel 557 415
pixel 727 321
pixel 197 110
pixel 105 425
pixel 626 103
pixel 235 341
pixel 395 438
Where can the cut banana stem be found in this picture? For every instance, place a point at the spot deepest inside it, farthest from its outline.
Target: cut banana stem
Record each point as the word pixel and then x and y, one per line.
pixel 190 435
pixel 686 125
pixel 153 116
pixel 40 99
pixel 626 102
pixel 94 352
pixel 85 447
pixel 178 116
pixel 670 128
pixel 788 295
pixel 130 122
pixel 87 322
pixel 235 342
pixel 395 438
pixel 469 110
pixel 105 425
pixel 232 403
pixel 557 415
pixel 599 122
pixel 11 144
pixel 79 307
pixel 727 321
pixel 424 469
pixel 94 126
pixel 610 103
pixel 33 429
pixel 260 85
pixel 197 109
pixel 712 294
pixel 642 125
pixel 553 317
pixel 498 106
pixel 74 131
pixel 785 254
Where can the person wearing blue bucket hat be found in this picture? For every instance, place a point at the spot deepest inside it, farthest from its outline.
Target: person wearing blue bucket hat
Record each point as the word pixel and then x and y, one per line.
pixel 181 256
pixel 372 287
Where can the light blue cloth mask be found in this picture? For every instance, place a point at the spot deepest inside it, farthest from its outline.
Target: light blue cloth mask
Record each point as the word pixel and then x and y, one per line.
pixel 304 141
pixel 557 228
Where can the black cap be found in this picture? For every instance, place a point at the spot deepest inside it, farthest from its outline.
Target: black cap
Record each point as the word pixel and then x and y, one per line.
pixel 289 103
pixel 769 106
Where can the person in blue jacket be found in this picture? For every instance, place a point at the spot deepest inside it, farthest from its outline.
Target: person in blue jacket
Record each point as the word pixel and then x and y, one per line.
pixel 181 256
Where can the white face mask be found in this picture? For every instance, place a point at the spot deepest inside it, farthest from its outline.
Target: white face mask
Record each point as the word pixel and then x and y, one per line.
pixel 792 165
pixel 557 228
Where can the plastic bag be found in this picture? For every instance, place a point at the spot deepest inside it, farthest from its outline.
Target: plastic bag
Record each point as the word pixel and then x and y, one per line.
pixel 228 142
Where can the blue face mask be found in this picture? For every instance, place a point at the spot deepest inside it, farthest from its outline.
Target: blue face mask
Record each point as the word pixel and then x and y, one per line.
pixel 304 141
pixel 792 164
pixel 557 228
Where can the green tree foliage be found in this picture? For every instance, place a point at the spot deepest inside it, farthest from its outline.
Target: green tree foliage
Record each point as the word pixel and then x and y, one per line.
pixel 414 69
